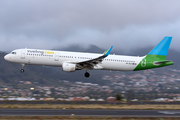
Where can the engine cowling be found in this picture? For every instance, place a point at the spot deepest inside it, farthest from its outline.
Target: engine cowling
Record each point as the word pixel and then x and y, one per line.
pixel 68 67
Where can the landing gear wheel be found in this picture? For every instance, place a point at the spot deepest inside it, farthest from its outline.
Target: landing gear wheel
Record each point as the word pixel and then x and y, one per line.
pixel 22 70
pixel 86 74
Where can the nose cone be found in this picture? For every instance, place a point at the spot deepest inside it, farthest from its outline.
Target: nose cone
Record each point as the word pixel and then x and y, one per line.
pixel 6 57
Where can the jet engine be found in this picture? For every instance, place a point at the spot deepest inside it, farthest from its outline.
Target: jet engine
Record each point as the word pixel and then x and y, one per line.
pixel 68 67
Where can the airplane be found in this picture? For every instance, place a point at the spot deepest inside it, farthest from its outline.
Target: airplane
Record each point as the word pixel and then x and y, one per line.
pixel 72 61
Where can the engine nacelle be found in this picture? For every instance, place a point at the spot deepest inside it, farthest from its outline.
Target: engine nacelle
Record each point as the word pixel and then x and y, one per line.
pixel 68 67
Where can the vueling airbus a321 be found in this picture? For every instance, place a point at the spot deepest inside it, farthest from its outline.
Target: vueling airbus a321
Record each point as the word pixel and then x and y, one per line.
pixel 72 61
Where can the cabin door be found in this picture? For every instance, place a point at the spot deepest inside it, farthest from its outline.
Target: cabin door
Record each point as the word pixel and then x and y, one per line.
pixel 23 52
pixel 56 57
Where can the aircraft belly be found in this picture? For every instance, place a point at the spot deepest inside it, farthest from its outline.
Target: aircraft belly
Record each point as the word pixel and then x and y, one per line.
pixel 119 67
pixel 43 61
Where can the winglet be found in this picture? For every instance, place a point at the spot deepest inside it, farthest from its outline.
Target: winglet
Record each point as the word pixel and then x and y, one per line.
pixel 106 53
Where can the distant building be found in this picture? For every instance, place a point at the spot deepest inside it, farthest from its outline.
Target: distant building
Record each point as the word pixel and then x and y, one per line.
pixel 111 98
pixel 100 99
pixel 77 99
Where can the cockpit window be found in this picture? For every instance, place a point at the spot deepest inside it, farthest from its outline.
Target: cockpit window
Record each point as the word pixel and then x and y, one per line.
pixel 13 52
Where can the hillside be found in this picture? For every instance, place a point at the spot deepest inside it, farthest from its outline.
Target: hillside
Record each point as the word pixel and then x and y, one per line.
pixel 10 72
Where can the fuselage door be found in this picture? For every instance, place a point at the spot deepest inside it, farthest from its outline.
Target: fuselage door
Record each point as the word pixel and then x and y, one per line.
pixel 23 52
pixel 56 57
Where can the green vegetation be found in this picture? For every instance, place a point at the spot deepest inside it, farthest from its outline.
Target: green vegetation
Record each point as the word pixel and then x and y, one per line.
pixel 118 97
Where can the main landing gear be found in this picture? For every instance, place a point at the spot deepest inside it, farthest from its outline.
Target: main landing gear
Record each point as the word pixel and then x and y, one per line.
pixel 86 74
pixel 22 70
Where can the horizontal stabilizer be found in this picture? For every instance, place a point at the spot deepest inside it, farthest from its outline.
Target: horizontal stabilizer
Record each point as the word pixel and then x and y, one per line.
pixel 161 62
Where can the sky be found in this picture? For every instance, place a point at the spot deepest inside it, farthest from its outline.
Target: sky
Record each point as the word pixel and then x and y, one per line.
pixel 124 24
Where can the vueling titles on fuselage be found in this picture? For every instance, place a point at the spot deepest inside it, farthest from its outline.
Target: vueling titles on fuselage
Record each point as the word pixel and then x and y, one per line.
pixel 72 61
pixel 40 51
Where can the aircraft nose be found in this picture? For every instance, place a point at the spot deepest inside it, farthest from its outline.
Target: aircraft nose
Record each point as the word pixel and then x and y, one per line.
pixel 6 57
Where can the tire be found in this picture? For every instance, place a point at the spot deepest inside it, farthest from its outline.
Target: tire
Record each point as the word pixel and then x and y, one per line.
pixel 22 70
pixel 86 74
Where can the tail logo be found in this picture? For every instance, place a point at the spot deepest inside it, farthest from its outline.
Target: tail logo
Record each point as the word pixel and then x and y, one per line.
pixel 143 63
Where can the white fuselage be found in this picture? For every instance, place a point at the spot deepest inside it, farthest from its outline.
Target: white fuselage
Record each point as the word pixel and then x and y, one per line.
pixel 57 58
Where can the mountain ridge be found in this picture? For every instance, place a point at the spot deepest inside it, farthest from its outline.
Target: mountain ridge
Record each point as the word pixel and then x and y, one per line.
pixel 10 72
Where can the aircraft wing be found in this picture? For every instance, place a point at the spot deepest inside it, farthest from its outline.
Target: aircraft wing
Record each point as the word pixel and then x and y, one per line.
pixel 89 64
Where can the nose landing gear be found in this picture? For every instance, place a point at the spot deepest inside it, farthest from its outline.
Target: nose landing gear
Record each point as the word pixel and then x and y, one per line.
pixel 22 70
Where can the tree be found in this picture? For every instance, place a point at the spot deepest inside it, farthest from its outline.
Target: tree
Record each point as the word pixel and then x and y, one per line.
pixel 118 97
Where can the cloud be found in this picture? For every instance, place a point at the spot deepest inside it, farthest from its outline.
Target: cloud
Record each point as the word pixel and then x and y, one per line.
pixel 125 24
pixel 128 38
